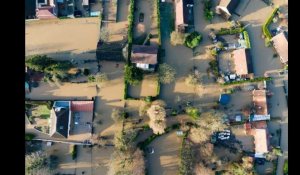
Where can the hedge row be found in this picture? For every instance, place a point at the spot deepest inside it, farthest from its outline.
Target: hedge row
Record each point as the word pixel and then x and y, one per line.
pixel 142 145
pixel 29 136
pixel 230 31
pixel 247 39
pixel 158 20
pixel 267 23
pixel 131 21
pixel 74 152
pixel 258 79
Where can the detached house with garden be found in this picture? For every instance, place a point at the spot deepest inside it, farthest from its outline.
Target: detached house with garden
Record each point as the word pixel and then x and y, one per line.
pixel 71 120
pixel 184 15
pixel 144 57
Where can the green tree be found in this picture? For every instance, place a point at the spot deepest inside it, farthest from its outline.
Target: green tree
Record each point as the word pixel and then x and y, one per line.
pixel 166 73
pixel 208 14
pixel 133 75
pixel 193 112
pixel 193 40
pixel 39 62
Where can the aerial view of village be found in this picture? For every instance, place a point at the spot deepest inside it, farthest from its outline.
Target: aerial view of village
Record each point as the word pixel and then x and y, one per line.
pixel 156 87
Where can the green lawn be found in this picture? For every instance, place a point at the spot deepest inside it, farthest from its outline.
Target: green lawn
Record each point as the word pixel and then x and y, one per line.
pixel 41 111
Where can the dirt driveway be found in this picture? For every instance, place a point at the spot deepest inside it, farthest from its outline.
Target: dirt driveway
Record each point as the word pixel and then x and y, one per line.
pixel 165 160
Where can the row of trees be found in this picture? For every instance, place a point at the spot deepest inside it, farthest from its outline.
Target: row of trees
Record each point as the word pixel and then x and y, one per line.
pixel 53 69
pixel 37 163
pixel 126 159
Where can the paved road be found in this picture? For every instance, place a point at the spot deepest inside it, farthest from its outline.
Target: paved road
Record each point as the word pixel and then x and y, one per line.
pixel 280 108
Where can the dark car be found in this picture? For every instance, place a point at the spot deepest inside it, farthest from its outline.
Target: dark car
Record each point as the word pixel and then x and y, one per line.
pixel 141 17
pixel 77 13
pixel 150 150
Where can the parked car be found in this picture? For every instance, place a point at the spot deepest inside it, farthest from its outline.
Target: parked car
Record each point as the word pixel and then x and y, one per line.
pixel 77 13
pixel 141 17
pixel 150 150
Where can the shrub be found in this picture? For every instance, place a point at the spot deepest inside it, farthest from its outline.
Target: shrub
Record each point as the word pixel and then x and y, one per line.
pixel 286 167
pixel 267 42
pixel 125 90
pixel 267 23
pixel 74 152
pixel 214 67
pixel 193 112
pixel 158 89
pixel 193 40
pixel 177 38
pixel 91 78
pixel 230 31
pixel 246 36
pixel 29 136
pixel 148 99
pixel 208 14
pixel 86 72
pixel 133 75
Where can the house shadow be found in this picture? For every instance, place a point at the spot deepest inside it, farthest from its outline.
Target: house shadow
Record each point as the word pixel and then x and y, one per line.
pixel 122 11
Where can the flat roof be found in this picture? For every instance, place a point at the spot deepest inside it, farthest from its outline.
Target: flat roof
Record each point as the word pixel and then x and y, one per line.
pixel 260 139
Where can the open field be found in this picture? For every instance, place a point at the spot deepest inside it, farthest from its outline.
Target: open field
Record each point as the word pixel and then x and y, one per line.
pixel 148 87
pixel 68 38
pixel 165 160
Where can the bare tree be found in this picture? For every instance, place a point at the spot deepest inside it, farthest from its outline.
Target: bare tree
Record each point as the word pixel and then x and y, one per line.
pixel 177 38
pixel 104 34
pixel 166 73
pixel 192 80
pixel 208 123
pixel 117 114
pixel 157 115
pixel 200 169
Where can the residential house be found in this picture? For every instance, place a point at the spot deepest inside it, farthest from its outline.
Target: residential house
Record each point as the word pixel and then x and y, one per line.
pixel 226 8
pixel 280 43
pixel 144 57
pixel 71 120
pixel 261 142
pixel 30 9
pixel 260 106
pixel 184 15
pixel 46 9
pixel 242 61
pixel 112 50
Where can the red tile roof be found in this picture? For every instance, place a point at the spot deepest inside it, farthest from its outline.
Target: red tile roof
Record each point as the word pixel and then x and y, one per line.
pixel 144 54
pixel 280 43
pixel 260 102
pixel 82 106
pixel 46 13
